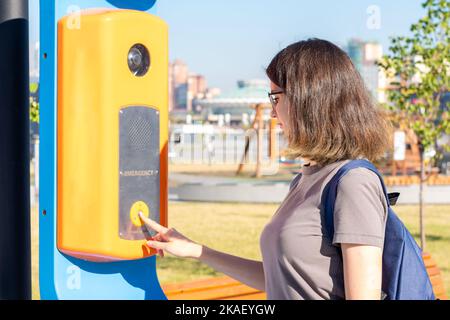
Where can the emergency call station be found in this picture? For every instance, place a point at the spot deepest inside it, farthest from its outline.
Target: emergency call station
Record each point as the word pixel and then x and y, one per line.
pixel 112 132
pixel 103 147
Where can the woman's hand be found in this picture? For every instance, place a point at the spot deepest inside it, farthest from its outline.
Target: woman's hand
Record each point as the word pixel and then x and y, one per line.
pixel 247 271
pixel 170 240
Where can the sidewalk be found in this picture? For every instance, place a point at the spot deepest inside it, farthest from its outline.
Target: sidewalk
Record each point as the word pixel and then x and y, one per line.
pixel 223 189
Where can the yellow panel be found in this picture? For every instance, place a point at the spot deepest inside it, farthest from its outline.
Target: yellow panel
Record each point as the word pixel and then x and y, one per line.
pixel 94 83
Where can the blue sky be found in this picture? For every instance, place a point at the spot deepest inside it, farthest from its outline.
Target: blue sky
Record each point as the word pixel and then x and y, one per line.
pixel 235 39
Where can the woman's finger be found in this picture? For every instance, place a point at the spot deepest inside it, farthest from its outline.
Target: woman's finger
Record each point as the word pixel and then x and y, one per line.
pixel 160 237
pixel 157 244
pixel 152 224
pixel 160 252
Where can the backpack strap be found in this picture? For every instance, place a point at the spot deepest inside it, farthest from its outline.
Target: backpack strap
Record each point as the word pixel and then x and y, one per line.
pixel 330 191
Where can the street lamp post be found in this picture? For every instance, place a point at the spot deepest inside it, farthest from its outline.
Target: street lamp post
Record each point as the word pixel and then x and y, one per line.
pixel 15 254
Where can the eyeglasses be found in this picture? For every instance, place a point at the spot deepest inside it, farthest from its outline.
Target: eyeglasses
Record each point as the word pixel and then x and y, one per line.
pixel 273 99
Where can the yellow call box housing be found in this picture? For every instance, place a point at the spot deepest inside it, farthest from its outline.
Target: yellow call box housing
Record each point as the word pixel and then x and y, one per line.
pixel 112 132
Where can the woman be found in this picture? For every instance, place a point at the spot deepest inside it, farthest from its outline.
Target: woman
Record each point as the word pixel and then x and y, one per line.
pixel 328 118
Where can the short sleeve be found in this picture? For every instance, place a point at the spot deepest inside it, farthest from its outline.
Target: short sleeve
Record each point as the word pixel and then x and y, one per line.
pixel 360 210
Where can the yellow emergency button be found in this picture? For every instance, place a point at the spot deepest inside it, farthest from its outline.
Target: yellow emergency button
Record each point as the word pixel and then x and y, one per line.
pixel 137 207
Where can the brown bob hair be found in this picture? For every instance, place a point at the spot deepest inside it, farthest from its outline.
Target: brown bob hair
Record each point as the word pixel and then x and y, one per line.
pixel 332 116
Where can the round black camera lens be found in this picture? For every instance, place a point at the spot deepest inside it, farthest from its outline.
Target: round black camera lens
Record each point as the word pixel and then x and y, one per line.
pixel 138 60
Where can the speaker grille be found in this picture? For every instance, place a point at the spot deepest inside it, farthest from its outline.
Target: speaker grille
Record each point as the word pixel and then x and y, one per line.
pixel 139 133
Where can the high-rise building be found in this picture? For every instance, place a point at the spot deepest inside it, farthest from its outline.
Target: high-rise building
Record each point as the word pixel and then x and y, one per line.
pixel 365 56
pixel 180 72
pixel 181 97
pixel 178 78
pixel 236 105
pixel 355 51
pixel 171 88
pixel 196 89
pixel 197 84
pixel 184 87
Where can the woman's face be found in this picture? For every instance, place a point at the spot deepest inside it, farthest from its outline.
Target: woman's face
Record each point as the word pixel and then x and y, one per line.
pixel 280 110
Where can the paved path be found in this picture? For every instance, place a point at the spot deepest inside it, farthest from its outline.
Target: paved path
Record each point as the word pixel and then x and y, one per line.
pixel 224 189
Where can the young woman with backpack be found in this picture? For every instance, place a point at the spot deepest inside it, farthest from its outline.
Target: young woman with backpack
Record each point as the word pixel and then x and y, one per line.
pixel 327 238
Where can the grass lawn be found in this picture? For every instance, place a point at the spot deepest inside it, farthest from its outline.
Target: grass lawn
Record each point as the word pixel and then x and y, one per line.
pixel 235 228
pixel 278 172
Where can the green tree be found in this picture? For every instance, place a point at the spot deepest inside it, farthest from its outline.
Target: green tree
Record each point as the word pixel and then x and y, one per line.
pixel 34 110
pixel 420 65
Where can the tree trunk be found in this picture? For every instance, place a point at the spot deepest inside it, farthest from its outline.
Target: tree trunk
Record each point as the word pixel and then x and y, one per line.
pixel 421 197
pixel 259 135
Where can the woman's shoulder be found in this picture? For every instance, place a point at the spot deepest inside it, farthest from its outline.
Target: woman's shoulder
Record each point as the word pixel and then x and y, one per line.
pixel 354 177
pixel 358 177
pixel 361 185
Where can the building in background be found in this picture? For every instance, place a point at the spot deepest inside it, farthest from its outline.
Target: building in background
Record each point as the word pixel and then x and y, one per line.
pixel 178 77
pixel 364 55
pixel 235 107
pixel 185 88
pixel 196 89
pixel 190 95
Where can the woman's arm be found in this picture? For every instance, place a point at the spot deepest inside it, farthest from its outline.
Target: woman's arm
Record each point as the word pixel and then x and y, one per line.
pixel 247 271
pixel 362 271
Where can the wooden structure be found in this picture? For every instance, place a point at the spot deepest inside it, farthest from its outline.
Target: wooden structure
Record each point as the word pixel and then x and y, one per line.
pixel 434 179
pixel 411 164
pixel 435 276
pixel 221 288
pixel 258 125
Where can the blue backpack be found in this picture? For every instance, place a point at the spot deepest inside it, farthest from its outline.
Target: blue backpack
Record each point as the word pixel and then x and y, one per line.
pixel 404 274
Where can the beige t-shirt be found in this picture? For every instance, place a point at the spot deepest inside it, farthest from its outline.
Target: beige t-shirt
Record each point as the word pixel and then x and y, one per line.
pixel 299 260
